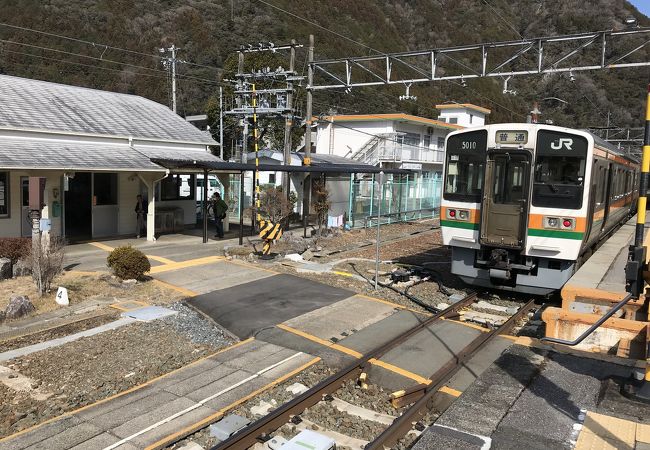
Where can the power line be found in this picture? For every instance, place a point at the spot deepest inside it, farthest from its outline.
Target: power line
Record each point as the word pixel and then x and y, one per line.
pixel 98 45
pixel 6 41
pixel 4 50
pixel 504 20
pixel 374 49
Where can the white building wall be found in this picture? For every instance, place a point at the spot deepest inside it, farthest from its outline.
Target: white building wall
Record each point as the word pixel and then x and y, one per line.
pixel 128 188
pixel 464 116
pixel 346 138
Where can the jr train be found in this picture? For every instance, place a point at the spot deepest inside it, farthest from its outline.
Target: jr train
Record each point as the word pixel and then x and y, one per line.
pixel 524 205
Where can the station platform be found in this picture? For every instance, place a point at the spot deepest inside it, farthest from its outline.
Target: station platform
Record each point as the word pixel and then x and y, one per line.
pixel 598 285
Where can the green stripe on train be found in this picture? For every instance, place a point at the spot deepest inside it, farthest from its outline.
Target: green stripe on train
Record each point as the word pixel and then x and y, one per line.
pixel 458 224
pixel 577 235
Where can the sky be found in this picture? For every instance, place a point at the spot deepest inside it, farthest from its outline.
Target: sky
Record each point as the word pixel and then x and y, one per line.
pixel 642 5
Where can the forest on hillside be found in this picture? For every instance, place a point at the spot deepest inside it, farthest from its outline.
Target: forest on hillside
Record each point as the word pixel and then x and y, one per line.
pixel 209 32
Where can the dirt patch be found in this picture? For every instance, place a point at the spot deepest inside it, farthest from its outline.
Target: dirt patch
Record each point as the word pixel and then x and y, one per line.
pixel 54 333
pixel 82 287
pixel 90 369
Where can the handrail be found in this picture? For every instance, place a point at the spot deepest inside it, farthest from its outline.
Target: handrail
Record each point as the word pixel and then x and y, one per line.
pixel 592 328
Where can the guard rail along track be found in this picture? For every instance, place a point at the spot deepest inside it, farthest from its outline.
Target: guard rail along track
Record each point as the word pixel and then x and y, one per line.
pixel 263 427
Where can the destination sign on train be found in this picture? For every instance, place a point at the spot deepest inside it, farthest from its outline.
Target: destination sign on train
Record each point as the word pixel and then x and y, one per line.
pixel 511 137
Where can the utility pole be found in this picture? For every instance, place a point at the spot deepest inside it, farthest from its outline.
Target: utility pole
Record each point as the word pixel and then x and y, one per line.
pixel 306 191
pixel 221 122
pixel 286 184
pixel 170 64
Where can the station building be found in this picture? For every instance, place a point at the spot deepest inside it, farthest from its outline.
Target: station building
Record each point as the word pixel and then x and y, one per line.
pixel 400 141
pixel 96 150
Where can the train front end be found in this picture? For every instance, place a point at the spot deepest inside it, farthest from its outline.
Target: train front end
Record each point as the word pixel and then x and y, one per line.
pixel 514 205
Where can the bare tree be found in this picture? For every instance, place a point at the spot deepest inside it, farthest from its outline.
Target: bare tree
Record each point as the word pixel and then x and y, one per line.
pixel 46 261
pixel 274 204
pixel 321 203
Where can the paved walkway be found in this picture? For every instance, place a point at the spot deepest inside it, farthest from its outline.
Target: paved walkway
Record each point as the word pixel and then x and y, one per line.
pixel 179 402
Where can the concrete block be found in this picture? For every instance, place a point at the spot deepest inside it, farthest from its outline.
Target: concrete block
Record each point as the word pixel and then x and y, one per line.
pixel 297 388
pixel 149 313
pixel 191 446
pixel 276 443
pixel 262 409
pixel 227 426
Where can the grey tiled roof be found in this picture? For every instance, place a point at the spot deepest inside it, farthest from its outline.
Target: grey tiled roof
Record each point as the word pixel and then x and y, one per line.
pixel 35 104
pixel 177 155
pixel 42 154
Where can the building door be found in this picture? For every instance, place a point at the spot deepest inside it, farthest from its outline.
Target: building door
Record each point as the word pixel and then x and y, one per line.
pixel 78 207
pixel 505 201
pixel 25 222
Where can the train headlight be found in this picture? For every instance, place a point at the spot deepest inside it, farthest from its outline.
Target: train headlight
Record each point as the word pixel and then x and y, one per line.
pixel 551 222
pixel 463 215
pixel 568 224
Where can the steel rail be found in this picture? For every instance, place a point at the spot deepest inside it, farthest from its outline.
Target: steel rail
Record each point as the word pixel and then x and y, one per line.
pixel 249 435
pixel 400 427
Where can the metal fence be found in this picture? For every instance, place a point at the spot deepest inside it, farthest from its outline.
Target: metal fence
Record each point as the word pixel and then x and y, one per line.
pixel 403 200
pixel 396 201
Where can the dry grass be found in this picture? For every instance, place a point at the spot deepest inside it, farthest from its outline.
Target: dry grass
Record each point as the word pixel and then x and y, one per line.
pixel 82 287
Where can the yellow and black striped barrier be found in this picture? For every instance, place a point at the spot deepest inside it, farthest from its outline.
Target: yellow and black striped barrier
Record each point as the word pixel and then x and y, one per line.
pixel 270 232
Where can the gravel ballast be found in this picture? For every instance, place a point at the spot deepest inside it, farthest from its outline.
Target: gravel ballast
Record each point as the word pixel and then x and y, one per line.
pixel 87 370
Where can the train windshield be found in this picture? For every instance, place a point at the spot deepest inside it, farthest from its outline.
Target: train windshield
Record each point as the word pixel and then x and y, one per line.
pixel 559 170
pixel 465 166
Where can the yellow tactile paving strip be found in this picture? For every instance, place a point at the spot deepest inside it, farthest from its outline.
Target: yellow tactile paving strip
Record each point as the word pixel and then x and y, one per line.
pixel 601 432
pixel 348 351
pixel 129 305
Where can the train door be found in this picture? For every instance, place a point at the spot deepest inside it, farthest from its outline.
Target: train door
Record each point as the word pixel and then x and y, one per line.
pixel 505 200
pixel 608 195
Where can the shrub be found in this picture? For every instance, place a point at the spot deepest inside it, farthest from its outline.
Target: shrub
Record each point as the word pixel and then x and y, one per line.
pixel 128 263
pixel 15 248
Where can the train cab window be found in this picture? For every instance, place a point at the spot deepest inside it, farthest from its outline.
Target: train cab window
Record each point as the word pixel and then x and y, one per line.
pixel 465 166
pixel 509 179
pixel 559 170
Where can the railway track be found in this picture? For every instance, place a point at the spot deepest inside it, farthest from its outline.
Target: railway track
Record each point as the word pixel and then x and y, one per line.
pixel 419 396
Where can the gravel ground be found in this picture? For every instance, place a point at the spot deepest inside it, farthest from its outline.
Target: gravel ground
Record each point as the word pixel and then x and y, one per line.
pixel 373 398
pixel 196 327
pixel 90 369
pixel 64 330
pixel 277 396
pixel 330 418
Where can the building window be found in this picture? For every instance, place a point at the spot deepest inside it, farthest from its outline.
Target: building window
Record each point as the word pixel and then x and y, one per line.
pixel 4 194
pixel 427 140
pixel 441 142
pixel 271 178
pixel 177 187
pixel 105 189
pixel 453 120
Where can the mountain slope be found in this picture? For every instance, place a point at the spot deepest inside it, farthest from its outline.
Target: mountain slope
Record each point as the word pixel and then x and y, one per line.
pixel 210 31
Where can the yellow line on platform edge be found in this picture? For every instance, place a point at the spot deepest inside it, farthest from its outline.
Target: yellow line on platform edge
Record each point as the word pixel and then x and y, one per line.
pixel 180 289
pixel 160 259
pixel 102 246
pixel 326 343
pixel 164 442
pixel 375 362
pixel 186 264
pixel 395 305
pixel 120 394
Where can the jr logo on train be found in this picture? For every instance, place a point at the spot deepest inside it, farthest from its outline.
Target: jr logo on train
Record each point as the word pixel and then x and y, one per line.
pixel 524 205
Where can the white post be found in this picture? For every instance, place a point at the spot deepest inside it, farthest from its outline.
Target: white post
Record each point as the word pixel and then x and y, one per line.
pixel 220 122
pixel 173 62
pixel 151 211
pixel 381 190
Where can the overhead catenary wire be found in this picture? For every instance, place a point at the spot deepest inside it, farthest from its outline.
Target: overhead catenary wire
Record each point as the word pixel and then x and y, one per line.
pixel 99 45
pixel 135 66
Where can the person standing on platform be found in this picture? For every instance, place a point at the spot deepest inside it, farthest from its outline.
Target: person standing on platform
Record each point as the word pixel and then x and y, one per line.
pixel 219 207
pixel 139 213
